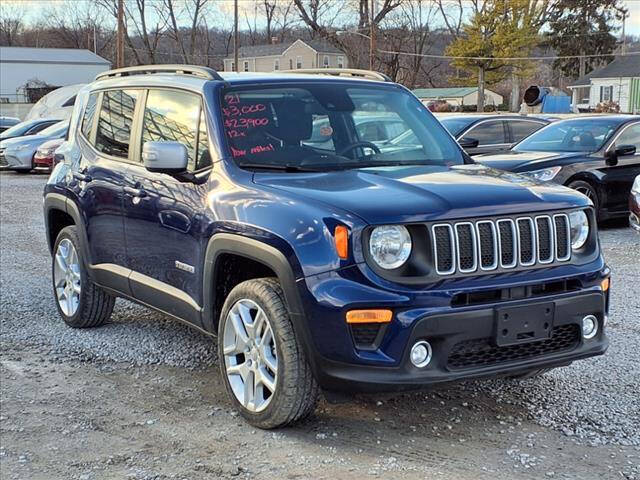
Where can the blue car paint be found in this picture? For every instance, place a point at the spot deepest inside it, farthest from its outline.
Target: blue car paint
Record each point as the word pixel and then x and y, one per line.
pixel 295 213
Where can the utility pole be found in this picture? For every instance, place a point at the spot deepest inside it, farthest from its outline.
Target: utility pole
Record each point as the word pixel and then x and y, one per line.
pixel 235 36
pixel 95 41
pixel 624 37
pixel 372 35
pixel 120 36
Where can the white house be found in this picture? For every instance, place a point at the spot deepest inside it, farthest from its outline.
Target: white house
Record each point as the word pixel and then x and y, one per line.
pixel 287 56
pixel 458 95
pixel 56 67
pixel 619 81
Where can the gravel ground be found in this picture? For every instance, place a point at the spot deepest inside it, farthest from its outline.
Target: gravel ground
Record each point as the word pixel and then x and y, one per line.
pixel 587 412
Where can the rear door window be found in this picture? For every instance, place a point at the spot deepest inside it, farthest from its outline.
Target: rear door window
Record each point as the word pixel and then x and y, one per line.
pixel 521 129
pixel 487 133
pixel 114 123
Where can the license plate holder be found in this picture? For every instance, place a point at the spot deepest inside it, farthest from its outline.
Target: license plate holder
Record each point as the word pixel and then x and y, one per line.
pixel 523 324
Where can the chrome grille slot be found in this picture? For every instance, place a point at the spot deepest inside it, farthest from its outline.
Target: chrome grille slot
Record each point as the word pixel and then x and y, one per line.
pixel 526 241
pixel 544 234
pixel 467 247
pixel 443 245
pixel 507 243
pixel 487 245
pixel 563 239
pixel 503 243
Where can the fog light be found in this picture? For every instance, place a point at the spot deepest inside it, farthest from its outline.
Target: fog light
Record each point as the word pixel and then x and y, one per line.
pixel 421 354
pixel 589 326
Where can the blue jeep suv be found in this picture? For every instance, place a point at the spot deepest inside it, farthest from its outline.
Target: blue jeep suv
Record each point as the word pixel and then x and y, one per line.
pixel 344 265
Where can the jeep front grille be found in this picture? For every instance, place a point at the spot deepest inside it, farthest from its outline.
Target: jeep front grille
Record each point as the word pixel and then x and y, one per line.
pixel 485 245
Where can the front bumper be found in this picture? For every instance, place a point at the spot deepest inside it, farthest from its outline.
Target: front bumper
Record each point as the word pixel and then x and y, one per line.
pixel 462 335
pixel 463 348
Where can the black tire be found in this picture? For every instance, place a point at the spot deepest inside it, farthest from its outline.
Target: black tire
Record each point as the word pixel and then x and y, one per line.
pixel 296 393
pixel 590 191
pixel 529 374
pixel 22 171
pixel 95 305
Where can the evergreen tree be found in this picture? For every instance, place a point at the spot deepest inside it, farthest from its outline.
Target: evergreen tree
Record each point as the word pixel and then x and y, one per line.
pixel 583 28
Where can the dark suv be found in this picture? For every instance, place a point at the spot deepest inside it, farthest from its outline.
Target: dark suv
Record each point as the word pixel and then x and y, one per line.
pixel 347 268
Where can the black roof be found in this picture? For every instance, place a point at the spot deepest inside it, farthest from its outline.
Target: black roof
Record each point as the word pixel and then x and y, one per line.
pixel 621 66
pixel 279 48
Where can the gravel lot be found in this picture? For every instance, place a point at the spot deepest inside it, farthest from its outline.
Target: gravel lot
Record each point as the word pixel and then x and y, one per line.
pixel 141 397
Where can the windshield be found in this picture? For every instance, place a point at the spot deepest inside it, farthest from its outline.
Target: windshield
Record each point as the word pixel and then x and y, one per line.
pixel 56 130
pixel 581 135
pixel 16 130
pixel 332 126
pixel 455 125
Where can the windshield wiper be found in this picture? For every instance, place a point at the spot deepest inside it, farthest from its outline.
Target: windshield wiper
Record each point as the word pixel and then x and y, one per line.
pixel 281 168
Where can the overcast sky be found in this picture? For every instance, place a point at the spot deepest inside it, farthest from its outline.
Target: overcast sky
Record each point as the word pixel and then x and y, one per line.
pixel 33 7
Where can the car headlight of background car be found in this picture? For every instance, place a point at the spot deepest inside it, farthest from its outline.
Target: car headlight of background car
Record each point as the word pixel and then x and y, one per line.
pixel 635 189
pixel 46 152
pixel 544 174
pixel 390 246
pixel 579 224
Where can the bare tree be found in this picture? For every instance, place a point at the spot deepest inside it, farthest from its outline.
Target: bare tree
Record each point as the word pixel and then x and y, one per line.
pixel 11 23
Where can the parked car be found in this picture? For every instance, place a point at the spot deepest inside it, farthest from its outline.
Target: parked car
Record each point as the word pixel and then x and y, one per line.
pixel 345 269
pixel 8 122
pixel 18 153
pixel 45 154
pixel 634 205
pixel 479 134
pixel 57 103
pixel 599 156
pixel 29 127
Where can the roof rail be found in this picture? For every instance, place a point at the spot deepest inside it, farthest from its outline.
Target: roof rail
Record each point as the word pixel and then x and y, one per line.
pixel 195 70
pixel 343 72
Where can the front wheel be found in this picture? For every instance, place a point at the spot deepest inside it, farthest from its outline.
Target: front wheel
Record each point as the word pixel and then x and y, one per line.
pixel 589 191
pixel 264 368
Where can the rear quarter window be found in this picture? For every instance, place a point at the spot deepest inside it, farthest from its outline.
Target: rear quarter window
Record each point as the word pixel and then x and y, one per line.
pixel 89 115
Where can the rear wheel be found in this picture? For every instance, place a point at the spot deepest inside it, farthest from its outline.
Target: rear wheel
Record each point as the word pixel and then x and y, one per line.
pixel 265 370
pixel 589 191
pixel 80 302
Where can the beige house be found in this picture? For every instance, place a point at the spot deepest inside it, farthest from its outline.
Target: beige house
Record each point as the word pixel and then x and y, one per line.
pixel 287 56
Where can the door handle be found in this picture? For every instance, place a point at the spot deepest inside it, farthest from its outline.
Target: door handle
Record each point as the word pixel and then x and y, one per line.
pixel 135 192
pixel 81 177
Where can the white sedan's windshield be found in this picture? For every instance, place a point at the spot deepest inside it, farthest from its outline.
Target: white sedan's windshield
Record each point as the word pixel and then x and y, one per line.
pixel 581 135
pixel 332 126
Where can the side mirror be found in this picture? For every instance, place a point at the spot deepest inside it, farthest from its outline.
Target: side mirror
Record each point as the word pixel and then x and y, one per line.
pixel 468 142
pixel 611 157
pixel 165 157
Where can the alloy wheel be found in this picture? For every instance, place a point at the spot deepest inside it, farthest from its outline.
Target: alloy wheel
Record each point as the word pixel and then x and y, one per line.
pixel 250 355
pixel 588 192
pixel 66 277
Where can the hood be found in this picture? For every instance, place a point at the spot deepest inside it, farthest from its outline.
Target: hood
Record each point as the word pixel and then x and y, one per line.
pixel 26 140
pixel 423 193
pixel 515 161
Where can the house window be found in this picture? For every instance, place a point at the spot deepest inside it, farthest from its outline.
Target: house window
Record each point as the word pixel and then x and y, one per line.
pixel 276 64
pixel 340 62
pixel 606 93
pixel 246 66
pixel 233 67
pixel 298 62
pixel 325 61
pixel 290 64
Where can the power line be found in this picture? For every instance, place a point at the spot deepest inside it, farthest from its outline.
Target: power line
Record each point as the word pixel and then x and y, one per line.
pixel 556 57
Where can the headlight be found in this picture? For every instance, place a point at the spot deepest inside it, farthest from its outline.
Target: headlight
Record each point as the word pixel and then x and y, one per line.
pixel 635 189
pixel 543 175
pixel 47 151
pixel 390 246
pixel 579 228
